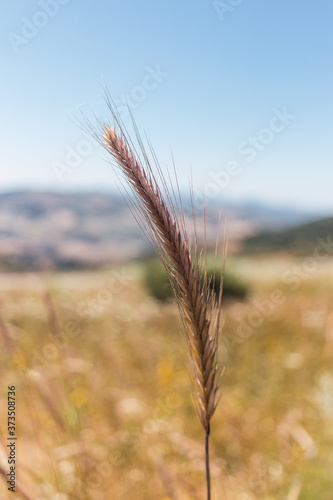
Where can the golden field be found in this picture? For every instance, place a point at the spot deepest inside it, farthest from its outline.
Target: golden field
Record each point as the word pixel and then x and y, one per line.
pixel 103 400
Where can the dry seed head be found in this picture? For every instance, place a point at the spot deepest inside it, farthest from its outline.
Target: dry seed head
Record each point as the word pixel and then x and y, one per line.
pixel 165 229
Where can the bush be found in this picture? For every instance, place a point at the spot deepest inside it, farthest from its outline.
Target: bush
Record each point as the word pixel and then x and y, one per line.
pixel 158 285
pixel 157 282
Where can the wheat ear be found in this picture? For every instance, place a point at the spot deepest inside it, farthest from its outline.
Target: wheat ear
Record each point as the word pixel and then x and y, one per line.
pixel 164 225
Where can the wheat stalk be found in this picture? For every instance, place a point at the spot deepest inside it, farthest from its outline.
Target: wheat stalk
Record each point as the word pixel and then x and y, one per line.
pixel 164 224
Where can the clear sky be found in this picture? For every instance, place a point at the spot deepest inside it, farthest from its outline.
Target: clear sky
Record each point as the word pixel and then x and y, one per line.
pixel 240 91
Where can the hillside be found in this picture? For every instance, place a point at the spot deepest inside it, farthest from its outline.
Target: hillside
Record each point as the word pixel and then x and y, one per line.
pixel 49 230
pixel 301 240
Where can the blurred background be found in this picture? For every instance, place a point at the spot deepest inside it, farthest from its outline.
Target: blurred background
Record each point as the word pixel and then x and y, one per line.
pixel 238 95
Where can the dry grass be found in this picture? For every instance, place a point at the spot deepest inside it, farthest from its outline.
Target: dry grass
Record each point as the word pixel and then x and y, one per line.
pixel 128 426
pixel 199 310
pixel 163 222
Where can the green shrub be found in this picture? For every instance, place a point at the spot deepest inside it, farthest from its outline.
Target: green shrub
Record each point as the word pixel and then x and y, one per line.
pixel 157 282
pixel 158 286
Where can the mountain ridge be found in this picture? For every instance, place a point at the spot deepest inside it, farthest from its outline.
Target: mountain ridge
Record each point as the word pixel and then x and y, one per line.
pixel 300 240
pixel 56 230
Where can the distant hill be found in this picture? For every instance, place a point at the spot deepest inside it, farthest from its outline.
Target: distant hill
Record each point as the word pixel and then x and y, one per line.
pixel 69 231
pixel 50 230
pixel 300 240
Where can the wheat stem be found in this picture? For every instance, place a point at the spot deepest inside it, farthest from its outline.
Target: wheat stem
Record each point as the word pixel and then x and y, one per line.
pixel 207 461
pixel 164 225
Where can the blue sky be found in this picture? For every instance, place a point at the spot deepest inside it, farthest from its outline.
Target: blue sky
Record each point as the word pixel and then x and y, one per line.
pixel 240 91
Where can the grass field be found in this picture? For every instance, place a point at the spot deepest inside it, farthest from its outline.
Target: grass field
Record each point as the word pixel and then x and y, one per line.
pixel 103 406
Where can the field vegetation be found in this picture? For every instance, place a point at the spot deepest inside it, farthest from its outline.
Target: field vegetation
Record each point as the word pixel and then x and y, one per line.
pixel 104 409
